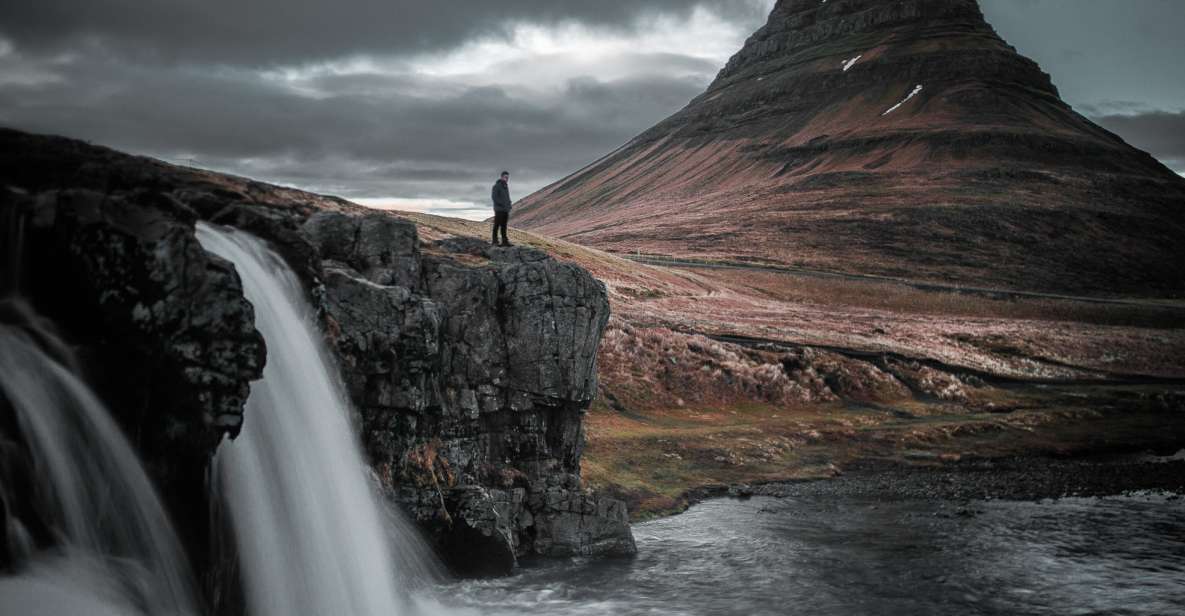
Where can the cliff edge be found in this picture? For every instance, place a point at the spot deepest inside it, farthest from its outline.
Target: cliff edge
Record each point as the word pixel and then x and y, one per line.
pixel 470 369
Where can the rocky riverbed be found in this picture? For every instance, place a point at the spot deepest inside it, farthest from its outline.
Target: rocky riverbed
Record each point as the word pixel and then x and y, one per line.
pixel 1019 478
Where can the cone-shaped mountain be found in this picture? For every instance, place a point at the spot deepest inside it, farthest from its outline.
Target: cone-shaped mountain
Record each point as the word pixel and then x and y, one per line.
pixel 895 137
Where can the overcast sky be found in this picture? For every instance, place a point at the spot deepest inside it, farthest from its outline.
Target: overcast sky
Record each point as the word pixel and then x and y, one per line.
pixel 420 104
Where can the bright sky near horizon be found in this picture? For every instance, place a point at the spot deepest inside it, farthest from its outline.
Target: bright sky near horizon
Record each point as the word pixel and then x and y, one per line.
pixel 419 105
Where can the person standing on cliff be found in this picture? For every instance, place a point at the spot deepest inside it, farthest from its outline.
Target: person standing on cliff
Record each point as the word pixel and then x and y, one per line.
pixel 502 206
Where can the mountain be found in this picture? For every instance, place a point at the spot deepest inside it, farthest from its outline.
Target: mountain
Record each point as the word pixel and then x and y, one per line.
pixel 891 137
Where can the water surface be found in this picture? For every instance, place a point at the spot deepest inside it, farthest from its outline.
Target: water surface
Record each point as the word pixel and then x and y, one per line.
pixel 849 555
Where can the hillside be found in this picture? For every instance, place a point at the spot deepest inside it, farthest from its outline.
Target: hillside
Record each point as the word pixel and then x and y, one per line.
pixel 715 376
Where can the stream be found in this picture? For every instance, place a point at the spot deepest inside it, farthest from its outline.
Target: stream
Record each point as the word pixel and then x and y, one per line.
pixel 847 555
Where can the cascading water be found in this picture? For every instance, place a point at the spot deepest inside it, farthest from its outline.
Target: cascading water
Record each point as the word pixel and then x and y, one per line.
pixel 12 227
pixel 310 531
pixel 111 538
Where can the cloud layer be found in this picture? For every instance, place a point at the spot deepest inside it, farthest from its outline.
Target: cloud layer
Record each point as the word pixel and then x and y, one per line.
pixel 419 104
pixel 1160 133
pixel 276 32
pixel 426 106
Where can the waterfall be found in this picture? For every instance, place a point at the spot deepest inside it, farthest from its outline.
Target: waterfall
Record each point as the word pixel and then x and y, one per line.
pixel 311 533
pixel 12 227
pixel 111 536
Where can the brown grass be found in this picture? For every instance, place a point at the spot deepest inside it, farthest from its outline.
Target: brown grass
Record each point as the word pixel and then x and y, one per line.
pixel 648 367
pixel 902 298
pixel 656 459
pixel 1029 338
pixel 680 411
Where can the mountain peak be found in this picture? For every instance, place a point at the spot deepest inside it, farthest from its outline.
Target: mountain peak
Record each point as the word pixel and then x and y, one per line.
pixel 810 25
pixel 893 137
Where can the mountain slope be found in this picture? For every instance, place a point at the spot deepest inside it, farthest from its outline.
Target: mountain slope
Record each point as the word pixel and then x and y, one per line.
pixel 898 137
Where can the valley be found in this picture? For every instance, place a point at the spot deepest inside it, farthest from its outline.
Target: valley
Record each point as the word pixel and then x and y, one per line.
pixel 712 377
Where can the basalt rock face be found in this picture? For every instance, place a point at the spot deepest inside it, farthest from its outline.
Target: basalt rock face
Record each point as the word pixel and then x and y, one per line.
pixel 161 326
pixel 470 368
pixel 898 137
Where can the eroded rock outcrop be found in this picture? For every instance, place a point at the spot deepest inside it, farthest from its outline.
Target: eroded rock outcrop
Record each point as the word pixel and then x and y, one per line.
pixel 471 368
pixel 162 326
pixel 645 368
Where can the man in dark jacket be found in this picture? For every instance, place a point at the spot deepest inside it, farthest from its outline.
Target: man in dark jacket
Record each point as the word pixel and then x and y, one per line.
pixel 502 205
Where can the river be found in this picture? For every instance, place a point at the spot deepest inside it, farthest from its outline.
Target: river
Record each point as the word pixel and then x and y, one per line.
pixel 846 555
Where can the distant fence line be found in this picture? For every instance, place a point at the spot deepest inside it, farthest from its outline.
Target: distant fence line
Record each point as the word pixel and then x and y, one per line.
pixel 921 285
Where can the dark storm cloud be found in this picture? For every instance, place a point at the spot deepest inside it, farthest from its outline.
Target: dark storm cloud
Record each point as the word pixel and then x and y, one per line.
pixel 266 32
pixel 1159 133
pixel 257 87
pixel 362 134
pixel 362 97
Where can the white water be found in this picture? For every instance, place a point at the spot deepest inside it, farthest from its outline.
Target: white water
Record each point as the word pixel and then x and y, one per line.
pixel 73 584
pixel 312 535
pixel 113 539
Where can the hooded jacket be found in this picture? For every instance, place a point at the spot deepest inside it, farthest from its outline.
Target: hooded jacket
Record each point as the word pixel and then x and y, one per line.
pixel 501 196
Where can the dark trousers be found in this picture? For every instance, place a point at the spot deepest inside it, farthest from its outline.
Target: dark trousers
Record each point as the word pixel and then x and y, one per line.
pixel 501 220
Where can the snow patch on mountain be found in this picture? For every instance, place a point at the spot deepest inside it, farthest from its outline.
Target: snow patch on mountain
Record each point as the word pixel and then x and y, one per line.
pixel 916 89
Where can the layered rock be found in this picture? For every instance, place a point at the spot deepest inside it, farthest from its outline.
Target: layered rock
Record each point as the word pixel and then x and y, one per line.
pixel 162 326
pixel 470 370
pixel 897 137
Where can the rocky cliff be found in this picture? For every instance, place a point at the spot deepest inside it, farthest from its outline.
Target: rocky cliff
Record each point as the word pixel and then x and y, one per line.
pixel 470 369
pixel 896 137
pixel 161 327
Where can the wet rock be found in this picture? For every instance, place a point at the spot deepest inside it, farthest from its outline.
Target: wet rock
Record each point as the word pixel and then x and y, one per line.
pixel 162 327
pixel 741 490
pixel 571 522
pixel 136 260
pixel 491 529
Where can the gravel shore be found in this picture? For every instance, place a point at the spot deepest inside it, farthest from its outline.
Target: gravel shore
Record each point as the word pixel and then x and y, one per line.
pixel 1018 478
